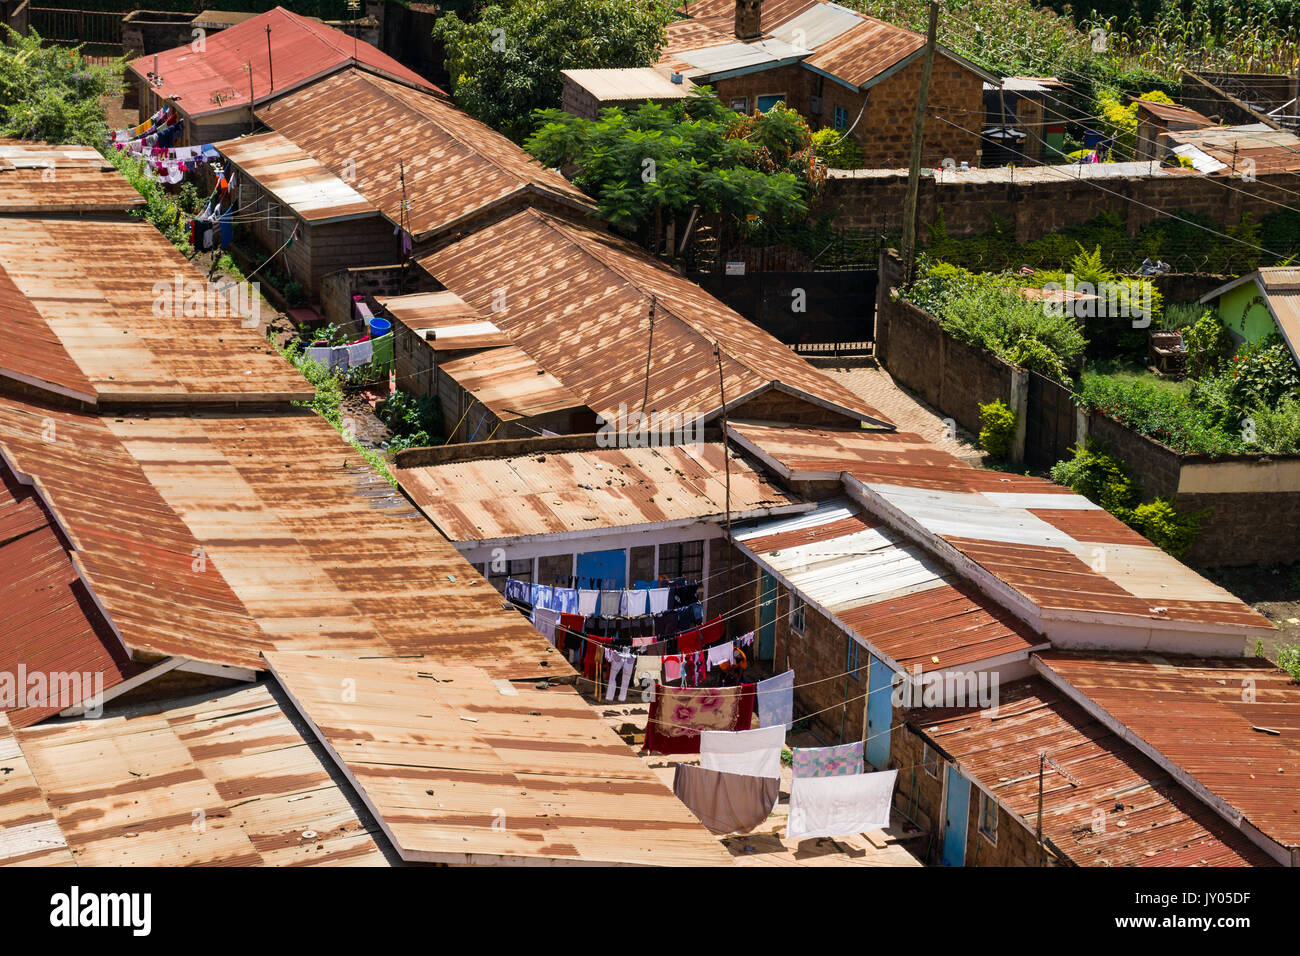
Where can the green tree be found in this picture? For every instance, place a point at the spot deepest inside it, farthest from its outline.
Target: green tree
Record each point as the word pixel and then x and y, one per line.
pixel 652 165
pixel 507 63
pixel 51 93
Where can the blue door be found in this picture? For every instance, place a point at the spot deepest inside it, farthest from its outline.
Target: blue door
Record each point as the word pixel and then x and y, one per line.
pixel 607 568
pixel 765 103
pixel 767 617
pixel 880 713
pixel 956 813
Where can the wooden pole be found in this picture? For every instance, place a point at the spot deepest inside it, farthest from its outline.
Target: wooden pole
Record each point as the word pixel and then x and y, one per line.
pixel 251 118
pixel 726 461
pixel 649 351
pixel 918 133
pixel 270 67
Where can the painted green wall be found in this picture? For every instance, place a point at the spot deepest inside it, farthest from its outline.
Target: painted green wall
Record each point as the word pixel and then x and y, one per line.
pixel 1243 316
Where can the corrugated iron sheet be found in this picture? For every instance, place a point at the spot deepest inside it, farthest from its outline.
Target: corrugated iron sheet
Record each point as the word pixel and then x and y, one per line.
pixel 559 492
pixel 29 835
pixel 864 51
pixel 45 179
pixel 577 299
pixel 99 287
pixel 1160 823
pixel 226 780
pixel 462 769
pixel 295 52
pixel 628 84
pixel 49 624
pixel 1256 148
pixel 1055 547
pixel 1172 111
pixel 135 555
pixel 295 178
pixel 454 165
pixel 892 595
pixel 509 383
pixel 1212 718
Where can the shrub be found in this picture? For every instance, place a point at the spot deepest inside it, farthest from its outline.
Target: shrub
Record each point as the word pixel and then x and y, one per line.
pixel 1105 481
pixel 1164 526
pixel 1288 659
pixel 1208 345
pixel 1276 430
pixel 997 428
pixel 837 150
pixel 1263 374
pixel 1100 478
pixel 413 420
pixel 987 311
pixel 1167 416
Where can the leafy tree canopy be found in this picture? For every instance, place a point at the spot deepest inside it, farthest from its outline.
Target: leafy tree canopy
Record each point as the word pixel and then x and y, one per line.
pixel 654 164
pixel 507 63
pixel 51 93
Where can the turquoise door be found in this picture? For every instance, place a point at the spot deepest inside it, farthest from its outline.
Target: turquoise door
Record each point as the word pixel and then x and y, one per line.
pixel 956 813
pixel 607 568
pixel 767 617
pixel 880 713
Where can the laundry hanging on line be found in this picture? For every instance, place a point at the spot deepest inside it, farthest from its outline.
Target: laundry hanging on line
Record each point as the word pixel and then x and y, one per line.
pixel 725 802
pixel 756 753
pixel 839 806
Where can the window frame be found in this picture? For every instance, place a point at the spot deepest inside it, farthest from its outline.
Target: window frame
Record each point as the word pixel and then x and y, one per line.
pixel 838 112
pixel 853 660
pixel 799 612
pixel 987 804
pixel 744 104
pixel 780 98
pixel 675 552
pixel 928 756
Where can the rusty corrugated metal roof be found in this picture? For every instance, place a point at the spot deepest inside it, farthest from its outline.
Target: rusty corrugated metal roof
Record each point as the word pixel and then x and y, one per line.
pixel 29 835
pixel 295 51
pixel 296 179
pixel 48 620
pixel 1066 556
pixel 894 597
pixel 454 165
pixel 510 384
pixel 1255 148
pixel 1232 724
pixel 865 51
pixel 134 554
pixel 45 179
pixel 1171 111
pixel 1161 823
pixel 566 492
pixel 135 318
pixel 222 780
pixel 460 768
pixel 577 299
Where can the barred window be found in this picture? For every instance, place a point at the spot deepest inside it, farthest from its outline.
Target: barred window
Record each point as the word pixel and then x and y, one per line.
pixel 682 560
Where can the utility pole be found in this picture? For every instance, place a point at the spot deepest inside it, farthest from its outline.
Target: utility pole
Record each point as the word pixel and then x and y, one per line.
pixel 403 222
pixel 726 460
pixel 251 117
pixel 918 133
pixel 1045 761
pixel 649 351
pixel 270 67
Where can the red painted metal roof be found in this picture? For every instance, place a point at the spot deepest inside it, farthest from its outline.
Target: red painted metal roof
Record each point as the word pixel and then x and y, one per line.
pixel 297 51
pixel 49 624
pixel 1160 823
pixel 1233 724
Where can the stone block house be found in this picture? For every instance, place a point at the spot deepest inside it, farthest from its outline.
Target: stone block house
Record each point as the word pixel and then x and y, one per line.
pixel 837 68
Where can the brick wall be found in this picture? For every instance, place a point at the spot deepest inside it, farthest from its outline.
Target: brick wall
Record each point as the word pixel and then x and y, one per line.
pixel 337 288
pixel 948 375
pixel 1255 528
pixel 885 130
pixel 871 200
pixel 775 405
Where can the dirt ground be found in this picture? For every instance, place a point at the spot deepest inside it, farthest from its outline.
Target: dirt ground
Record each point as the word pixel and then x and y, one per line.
pixel 1273 590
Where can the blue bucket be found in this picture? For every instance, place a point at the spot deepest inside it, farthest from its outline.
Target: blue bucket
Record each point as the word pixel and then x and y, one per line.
pixel 380 327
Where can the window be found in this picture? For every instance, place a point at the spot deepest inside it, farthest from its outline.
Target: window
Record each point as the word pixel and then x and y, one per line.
pixel 740 104
pixel 930 760
pixel 682 560
pixel 765 103
pixel 498 571
pixel 851 665
pixel 273 218
pixel 988 818
pixel 841 117
pixel 796 614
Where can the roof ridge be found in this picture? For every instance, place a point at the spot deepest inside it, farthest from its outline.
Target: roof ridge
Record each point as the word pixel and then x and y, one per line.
pixel 370 76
